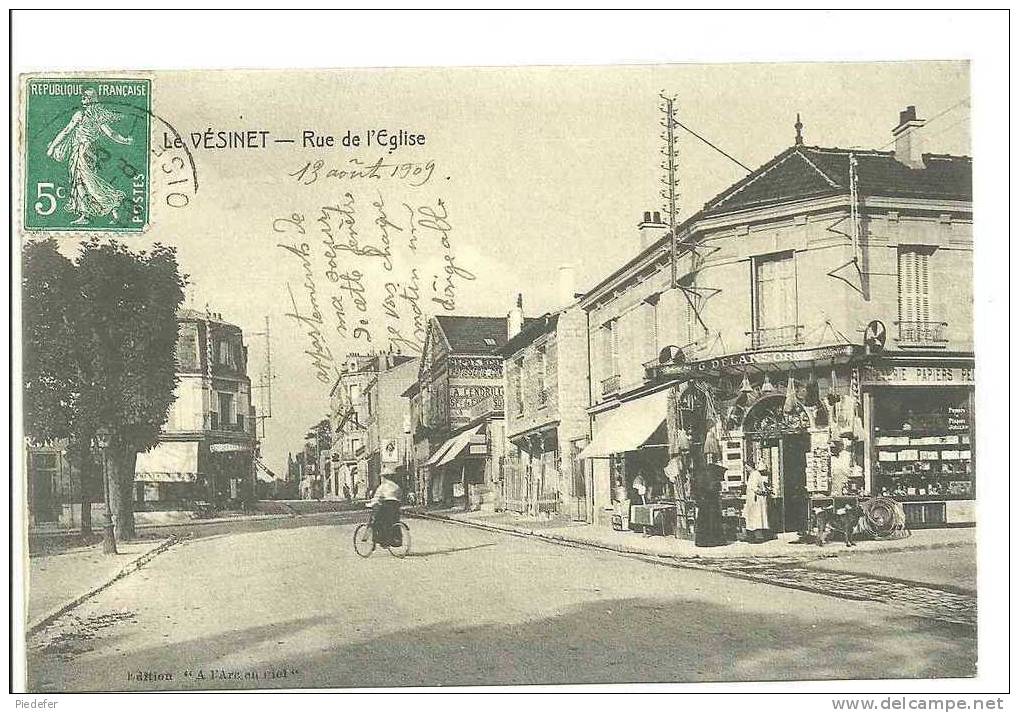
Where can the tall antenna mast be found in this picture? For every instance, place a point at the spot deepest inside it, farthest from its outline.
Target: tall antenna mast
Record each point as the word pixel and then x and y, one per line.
pixel 266 378
pixel 670 179
pixel 854 210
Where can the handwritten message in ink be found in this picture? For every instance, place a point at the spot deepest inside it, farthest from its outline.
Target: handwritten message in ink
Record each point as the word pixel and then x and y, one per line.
pixel 370 264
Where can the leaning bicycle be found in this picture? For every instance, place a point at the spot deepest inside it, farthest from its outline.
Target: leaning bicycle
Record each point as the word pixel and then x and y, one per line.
pixel 398 542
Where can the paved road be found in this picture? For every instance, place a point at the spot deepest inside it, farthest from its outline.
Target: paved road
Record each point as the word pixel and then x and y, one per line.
pixel 468 607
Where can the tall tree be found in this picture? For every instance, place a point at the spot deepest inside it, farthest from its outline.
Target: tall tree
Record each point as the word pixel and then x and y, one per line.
pixel 130 305
pixel 100 340
pixel 55 362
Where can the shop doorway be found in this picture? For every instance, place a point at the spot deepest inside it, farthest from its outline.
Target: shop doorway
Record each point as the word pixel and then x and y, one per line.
pixel 781 440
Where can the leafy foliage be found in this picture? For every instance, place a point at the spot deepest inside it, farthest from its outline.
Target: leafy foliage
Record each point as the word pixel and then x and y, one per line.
pixel 99 342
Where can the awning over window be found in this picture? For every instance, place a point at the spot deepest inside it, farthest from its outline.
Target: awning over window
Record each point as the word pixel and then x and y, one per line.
pixel 453 447
pixel 168 462
pixel 628 427
pixel 263 473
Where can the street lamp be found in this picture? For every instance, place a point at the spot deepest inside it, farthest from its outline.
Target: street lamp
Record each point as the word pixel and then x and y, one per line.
pixel 109 537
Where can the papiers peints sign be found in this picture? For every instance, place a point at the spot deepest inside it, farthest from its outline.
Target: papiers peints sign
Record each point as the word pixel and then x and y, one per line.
pixel 916 375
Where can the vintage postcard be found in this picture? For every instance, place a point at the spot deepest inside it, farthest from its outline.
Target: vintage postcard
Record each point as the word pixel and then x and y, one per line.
pixel 365 378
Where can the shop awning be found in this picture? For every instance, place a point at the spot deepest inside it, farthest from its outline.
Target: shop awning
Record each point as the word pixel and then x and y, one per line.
pixel 459 442
pixel 263 473
pixel 628 427
pixel 168 462
pixel 452 447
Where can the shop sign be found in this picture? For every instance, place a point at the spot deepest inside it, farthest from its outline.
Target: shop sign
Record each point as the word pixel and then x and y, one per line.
pixel 755 358
pixel 390 451
pixel 917 375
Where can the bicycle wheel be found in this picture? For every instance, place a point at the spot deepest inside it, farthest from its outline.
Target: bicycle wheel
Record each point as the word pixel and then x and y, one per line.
pixel 364 540
pixel 882 518
pixel 401 534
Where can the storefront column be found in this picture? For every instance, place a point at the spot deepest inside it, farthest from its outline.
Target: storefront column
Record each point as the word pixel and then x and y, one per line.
pixel 868 446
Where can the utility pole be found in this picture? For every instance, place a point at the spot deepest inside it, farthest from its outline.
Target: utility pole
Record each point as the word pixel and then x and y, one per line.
pixel 265 379
pixel 669 166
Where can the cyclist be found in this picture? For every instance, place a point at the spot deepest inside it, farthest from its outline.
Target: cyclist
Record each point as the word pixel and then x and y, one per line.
pixel 385 505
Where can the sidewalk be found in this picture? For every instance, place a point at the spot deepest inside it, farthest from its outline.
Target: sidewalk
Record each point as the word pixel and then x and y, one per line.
pixel 635 543
pixel 59 582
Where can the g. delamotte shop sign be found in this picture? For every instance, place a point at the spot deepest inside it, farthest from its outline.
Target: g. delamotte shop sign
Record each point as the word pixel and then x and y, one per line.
pixel 782 356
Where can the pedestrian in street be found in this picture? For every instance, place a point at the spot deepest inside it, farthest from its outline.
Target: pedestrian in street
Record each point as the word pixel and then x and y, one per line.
pixel 755 507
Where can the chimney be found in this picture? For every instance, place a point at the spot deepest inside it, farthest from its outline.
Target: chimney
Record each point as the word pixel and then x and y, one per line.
pixel 566 285
pixel 651 228
pixel 515 318
pixel 908 138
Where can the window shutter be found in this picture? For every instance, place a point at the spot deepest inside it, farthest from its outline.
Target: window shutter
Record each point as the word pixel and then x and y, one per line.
pixel 923 304
pixel 914 283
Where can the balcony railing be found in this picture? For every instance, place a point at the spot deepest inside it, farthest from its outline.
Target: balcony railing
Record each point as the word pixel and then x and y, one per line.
pixel 922 333
pixel 610 385
pixel 213 423
pixel 787 336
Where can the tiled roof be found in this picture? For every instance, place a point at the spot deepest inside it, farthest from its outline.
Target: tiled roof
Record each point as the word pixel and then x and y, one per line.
pixel 802 172
pixel 531 331
pixel 473 335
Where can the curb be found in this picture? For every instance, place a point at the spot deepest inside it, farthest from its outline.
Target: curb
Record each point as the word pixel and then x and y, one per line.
pixel 692 560
pixel 42 534
pixel 703 564
pixel 132 566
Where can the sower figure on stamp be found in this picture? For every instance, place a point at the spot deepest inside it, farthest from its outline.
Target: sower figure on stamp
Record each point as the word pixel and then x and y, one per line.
pixel 91 196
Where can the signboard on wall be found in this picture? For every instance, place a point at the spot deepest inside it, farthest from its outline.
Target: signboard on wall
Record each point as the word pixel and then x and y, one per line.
pixel 916 375
pixel 463 397
pixel 781 356
pixel 390 451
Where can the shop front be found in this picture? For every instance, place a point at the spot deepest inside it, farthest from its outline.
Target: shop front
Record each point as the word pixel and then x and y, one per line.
pixel 456 465
pixel 169 476
pixel 921 436
pixel 628 454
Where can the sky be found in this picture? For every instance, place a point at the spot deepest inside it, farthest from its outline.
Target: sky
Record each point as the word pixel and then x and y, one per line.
pixel 536 167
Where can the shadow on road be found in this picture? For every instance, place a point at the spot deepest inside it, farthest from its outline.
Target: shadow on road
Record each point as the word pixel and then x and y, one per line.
pixel 649 639
pixel 450 550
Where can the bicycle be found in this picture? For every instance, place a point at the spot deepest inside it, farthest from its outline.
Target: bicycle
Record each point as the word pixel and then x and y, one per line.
pixel 879 517
pixel 364 539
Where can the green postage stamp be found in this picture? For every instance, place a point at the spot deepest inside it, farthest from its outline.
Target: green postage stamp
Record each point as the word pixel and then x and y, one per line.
pixel 87 154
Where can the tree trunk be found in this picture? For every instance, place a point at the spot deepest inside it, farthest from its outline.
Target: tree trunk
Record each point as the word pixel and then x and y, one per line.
pixel 120 470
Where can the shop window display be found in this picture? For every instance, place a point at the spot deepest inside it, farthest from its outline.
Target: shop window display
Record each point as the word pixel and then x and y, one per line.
pixel 923 444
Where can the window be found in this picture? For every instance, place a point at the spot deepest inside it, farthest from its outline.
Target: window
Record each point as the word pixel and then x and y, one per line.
pixel 775 301
pixel 226 405
pixel 226 353
pixel 651 312
pixel 187 347
pixel 915 319
pixel 518 391
pixel 914 305
pixel 610 348
pixel 541 382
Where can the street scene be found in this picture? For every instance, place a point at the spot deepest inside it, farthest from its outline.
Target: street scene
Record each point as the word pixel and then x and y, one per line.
pixel 633 406
pixel 374 622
